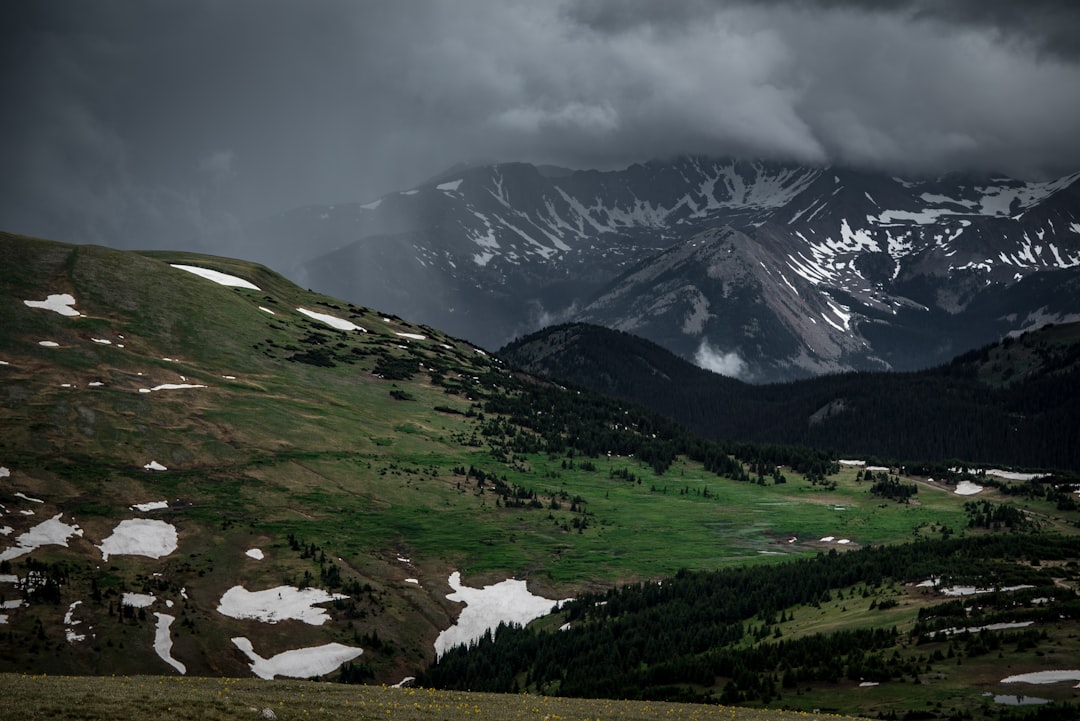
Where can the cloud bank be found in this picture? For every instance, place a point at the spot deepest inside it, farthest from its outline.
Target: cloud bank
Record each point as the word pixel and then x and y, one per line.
pixel 158 123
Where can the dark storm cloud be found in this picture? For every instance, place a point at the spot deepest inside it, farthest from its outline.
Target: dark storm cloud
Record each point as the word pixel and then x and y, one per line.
pixel 168 123
pixel 1052 26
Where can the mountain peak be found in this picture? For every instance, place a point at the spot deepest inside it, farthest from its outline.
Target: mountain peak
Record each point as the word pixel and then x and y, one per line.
pixel 843 261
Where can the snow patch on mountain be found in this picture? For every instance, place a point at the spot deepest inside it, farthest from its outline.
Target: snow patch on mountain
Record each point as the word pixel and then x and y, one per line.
pixel 332 321
pixel 58 303
pixel 281 603
pixel 485 608
pixel 217 276
pixel 140 537
pixel 297 663
pixel 52 532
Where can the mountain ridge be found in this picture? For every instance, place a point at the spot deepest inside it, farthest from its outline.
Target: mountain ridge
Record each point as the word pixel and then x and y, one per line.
pixel 1007 403
pixel 492 252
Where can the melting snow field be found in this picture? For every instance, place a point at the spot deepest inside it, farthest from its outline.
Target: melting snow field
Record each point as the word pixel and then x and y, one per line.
pixel 151 506
pixel 282 603
pixel 967 488
pixel 298 663
pixel 52 532
pixel 218 277
pixel 332 321
pixel 57 303
pixel 163 641
pixel 485 608
pixel 1013 475
pixel 977 629
pixel 973 591
pixel 71 623
pixel 171 387
pixel 1044 677
pixel 137 600
pixel 140 537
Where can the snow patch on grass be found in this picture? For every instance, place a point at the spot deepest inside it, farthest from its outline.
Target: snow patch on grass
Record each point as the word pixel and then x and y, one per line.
pixel 58 303
pixel 300 662
pixel 217 276
pixel 255 553
pixel 140 537
pixel 976 629
pixel 151 506
pixel 153 466
pixel 974 591
pixel 52 532
pixel 1041 677
pixel 70 623
pixel 171 387
pixel 332 321
pixel 25 497
pixel 485 608
pixel 283 603
pixel 967 488
pixel 137 600
pixel 163 641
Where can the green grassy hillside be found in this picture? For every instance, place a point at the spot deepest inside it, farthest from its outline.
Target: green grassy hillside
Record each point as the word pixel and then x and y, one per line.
pixel 370 463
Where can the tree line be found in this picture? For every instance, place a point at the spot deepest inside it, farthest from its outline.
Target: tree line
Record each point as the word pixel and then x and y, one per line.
pixel 685 637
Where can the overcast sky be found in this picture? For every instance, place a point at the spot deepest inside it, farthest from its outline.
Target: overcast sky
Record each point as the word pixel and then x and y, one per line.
pixel 147 123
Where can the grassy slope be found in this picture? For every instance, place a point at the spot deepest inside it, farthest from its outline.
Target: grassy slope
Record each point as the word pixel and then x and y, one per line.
pixel 30 697
pixel 325 454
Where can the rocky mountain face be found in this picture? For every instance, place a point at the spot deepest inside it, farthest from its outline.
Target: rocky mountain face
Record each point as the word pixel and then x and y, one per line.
pixel 760 270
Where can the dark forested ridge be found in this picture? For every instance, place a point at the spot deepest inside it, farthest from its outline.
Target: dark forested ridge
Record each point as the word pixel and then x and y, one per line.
pixel 686 637
pixel 1009 403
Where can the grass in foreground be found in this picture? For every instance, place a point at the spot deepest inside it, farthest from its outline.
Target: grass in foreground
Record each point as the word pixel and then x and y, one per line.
pixel 212 699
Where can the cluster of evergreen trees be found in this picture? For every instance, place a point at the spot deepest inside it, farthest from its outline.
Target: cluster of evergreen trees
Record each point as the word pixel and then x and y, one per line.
pixel 887 486
pixel 684 638
pixel 1009 404
pixel 529 417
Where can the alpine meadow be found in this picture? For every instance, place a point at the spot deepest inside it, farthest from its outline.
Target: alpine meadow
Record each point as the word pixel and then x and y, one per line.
pixel 209 471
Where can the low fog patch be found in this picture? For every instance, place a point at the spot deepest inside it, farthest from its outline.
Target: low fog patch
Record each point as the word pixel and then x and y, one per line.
pixel 728 364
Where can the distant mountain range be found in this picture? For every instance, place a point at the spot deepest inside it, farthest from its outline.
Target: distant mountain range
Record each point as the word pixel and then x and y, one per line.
pixel 760 270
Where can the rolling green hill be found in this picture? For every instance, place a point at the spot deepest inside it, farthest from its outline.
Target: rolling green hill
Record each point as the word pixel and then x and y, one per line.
pixel 167 439
pixel 1010 403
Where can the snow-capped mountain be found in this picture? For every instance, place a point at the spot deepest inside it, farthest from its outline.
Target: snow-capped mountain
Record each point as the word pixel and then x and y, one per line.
pixel 778 270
